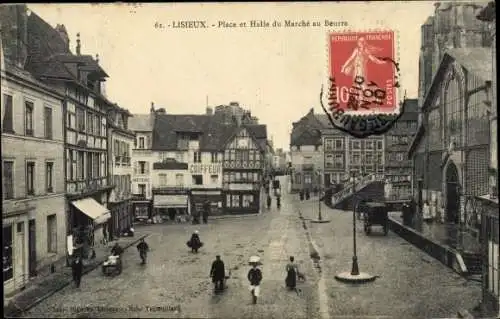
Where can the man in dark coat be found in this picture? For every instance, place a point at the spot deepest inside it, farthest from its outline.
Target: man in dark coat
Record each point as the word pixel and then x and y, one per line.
pixel 218 273
pixel 206 211
pixel 77 270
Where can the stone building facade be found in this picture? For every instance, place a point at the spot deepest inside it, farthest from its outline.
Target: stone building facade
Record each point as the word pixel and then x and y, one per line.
pixel 450 151
pixel 142 160
pixel 489 202
pixel 33 216
pixel 306 151
pixel 121 142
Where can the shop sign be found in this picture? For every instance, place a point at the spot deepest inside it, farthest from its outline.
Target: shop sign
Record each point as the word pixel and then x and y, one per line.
pixel 170 200
pixel 241 187
pixel 140 180
pixel 198 168
pixel 205 193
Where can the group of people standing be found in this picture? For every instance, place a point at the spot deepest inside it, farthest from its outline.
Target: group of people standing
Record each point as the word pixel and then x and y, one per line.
pixel 204 213
pixel 254 276
pixel 277 192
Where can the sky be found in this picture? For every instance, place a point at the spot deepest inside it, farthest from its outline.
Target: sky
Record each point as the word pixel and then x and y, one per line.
pixel 275 72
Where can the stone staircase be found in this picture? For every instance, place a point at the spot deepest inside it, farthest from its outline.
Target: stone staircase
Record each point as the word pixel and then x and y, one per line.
pixel 369 186
pixel 473 263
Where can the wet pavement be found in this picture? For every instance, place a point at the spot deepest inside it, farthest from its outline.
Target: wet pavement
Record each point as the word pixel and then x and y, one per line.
pixel 411 284
pixel 175 283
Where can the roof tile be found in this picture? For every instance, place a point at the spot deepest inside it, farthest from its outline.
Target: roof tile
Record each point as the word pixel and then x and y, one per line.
pixel 215 133
pixel 140 123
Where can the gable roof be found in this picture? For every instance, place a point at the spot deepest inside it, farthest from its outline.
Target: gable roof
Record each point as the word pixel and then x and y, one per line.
pixel 49 54
pixel 410 110
pixel 140 123
pixel 166 127
pixel 307 131
pixel 258 132
pixel 214 132
pixel 477 61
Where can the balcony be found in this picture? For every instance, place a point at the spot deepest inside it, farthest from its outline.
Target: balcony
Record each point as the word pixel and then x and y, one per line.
pixel 122 161
pixel 170 189
pixel 87 185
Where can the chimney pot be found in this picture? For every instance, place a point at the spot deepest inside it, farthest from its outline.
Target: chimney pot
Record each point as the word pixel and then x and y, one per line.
pixel 78 43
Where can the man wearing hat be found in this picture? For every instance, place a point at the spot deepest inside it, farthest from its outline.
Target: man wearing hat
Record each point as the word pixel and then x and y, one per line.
pixel 218 273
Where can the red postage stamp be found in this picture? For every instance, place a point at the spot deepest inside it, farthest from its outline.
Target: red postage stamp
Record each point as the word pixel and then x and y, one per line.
pixel 364 73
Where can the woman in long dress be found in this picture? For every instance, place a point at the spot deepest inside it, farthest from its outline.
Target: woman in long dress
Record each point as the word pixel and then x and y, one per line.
pixel 291 274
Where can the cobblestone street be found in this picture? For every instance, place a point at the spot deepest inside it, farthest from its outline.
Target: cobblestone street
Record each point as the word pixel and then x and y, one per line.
pixel 175 279
pixel 411 284
pixel 175 282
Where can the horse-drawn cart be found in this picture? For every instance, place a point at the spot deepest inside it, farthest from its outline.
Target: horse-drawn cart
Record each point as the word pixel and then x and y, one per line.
pixel 375 213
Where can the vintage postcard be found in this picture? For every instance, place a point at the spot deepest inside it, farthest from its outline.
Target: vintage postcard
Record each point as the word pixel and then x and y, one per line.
pixel 250 160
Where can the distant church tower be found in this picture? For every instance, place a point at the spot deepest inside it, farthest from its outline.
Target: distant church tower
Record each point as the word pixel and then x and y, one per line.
pixel 454 25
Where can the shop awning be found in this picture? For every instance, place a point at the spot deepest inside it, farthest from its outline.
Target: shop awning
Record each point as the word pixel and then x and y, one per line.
pixel 90 207
pixel 170 201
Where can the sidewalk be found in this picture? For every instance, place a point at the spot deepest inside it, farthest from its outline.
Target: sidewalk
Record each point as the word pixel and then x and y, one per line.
pixel 43 287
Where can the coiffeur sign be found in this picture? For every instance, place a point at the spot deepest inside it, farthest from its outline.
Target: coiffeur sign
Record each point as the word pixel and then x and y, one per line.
pixel 199 168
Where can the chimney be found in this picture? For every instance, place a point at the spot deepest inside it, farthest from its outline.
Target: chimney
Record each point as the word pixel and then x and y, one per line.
pixel 78 43
pixel 61 29
pixel 210 111
pixel 97 58
pixel 152 109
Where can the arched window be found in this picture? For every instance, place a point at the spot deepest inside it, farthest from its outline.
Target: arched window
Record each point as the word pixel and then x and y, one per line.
pixel 453 109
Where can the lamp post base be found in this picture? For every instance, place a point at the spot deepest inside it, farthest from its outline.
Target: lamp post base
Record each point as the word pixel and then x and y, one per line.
pixel 320 221
pixel 361 278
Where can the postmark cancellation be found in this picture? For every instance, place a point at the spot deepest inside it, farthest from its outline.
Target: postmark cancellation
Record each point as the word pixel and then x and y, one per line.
pixel 363 71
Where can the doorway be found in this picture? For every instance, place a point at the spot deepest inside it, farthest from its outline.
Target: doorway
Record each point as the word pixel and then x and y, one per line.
pixel 32 248
pixel 452 194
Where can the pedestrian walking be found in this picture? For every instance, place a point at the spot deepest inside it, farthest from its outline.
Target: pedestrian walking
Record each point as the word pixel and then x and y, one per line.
pixel 218 274
pixel 254 277
pixel 77 270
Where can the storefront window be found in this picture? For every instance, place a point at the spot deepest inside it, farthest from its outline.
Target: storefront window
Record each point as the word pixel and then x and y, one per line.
pixel 7 253
pixel 235 200
pixel 247 200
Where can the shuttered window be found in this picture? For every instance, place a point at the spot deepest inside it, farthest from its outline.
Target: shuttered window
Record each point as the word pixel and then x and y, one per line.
pixel 52 234
pixel 7 121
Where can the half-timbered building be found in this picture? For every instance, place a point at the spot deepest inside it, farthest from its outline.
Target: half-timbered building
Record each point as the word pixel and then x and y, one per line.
pixel 244 156
pixel 79 77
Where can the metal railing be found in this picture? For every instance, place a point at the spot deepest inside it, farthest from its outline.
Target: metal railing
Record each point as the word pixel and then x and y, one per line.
pixel 360 184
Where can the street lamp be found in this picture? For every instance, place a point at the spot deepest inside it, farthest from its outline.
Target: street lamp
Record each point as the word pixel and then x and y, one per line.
pixel 354 276
pixel 320 219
